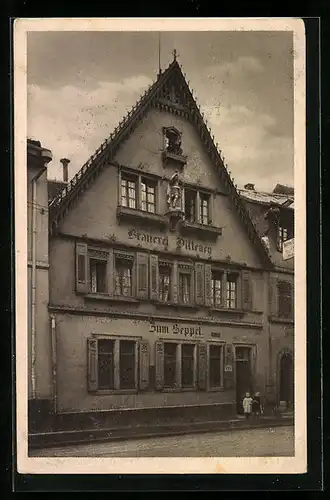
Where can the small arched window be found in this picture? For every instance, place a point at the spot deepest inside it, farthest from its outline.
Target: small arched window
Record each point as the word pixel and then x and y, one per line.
pixel 172 140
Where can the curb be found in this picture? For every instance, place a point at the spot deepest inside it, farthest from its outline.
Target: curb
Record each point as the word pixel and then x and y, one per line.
pixel 66 438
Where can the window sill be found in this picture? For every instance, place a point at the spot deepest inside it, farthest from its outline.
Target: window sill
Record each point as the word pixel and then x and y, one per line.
pixel 239 312
pixel 202 230
pixel 108 298
pixel 134 215
pixel 215 389
pixel 279 319
pixel 179 389
pixel 105 392
pixel 177 305
pixel 169 157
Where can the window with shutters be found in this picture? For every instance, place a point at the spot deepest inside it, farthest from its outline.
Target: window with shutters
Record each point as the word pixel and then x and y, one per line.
pixel 285 299
pixel 184 288
pixel 123 276
pixel 170 362
pixel 282 235
pixel 148 195
pixel 113 364
pixel 165 274
pixel 127 364
pixel 231 291
pixel 217 283
pixel 190 205
pixel 98 273
pixel 187 365
pixel 215 366
pixel 106 367
pixel 204 209
pixel 129 190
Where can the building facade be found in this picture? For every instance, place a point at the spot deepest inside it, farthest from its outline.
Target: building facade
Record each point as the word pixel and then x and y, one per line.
pixel 159 276
pixel 40 385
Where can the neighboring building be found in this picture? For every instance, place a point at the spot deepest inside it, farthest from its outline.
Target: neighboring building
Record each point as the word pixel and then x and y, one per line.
pixel 158 276
pixel 273 215
pixel 40 385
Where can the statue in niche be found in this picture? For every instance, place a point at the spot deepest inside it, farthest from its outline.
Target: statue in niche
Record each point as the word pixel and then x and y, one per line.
pixel 174 192
pixel 173 142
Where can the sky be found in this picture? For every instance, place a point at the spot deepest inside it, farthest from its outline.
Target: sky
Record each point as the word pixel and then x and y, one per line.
pixel 81 84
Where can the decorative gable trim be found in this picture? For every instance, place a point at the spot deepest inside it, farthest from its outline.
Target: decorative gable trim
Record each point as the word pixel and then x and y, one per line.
pixel 154 97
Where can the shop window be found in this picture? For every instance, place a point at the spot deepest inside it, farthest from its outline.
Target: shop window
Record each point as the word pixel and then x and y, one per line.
pixel 204 208
pixel 106 367
pixel 148 196
pixel 170 357
pixel 164 283
pixel 282 235
pixel 231 291
pixel 187 365
pixel 217 280
pixel 215 366
pixel 98 271
pixel 129 191
pixel 127 364
pixel 190 205
pixel 285 299
pixel 123 276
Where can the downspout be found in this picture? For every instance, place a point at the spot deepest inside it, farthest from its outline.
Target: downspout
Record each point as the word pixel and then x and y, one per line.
pixel 54 361
pixel 33 281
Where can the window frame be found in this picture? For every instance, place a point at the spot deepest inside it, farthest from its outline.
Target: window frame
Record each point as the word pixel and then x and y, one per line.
pixel 281 297
pixel 199 194
pixel 236 281
pixel 116 362
pixel 184 269
pixel 222 285
pixel 210 344
pixel 178 375
pixel 130 257
pixel 103 261
pixel 170 267
pixel 139 178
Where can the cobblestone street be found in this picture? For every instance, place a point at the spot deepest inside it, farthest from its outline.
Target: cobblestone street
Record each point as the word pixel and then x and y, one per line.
pixel 277 441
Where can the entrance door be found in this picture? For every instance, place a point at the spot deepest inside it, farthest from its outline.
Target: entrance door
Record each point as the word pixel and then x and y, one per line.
pixel 286 378
pixel 243 375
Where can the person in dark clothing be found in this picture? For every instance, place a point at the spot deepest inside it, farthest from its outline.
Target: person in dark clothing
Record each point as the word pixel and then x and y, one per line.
pixel 256 405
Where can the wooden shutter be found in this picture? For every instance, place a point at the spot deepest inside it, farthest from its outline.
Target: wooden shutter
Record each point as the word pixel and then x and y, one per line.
pixel 144 365
pixel 81 268
pixel 174 282
pixel 192 287
pixel 202 366
pixel 272 296
pixel 229 376
pixel 111 273
pixel 159 365
pixel 154 277
pixel 142 275
pixel 246 290
pixel 199 282
pixel 253 367
pixel 208 285
pixel 92 364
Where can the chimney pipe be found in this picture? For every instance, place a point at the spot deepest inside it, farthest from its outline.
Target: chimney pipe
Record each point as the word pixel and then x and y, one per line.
pixel 65 162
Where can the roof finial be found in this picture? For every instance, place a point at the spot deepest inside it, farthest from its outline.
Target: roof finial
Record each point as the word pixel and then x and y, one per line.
pixel 174 54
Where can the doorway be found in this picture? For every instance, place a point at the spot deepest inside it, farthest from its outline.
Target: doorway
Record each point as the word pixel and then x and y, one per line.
pixel 244 382
pixel 286 378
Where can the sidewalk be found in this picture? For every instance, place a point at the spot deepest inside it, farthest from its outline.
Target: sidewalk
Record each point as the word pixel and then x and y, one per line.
pixel 41 440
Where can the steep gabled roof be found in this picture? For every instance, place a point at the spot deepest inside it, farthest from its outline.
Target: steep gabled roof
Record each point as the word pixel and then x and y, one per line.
pixel 267 199
pixel 185 105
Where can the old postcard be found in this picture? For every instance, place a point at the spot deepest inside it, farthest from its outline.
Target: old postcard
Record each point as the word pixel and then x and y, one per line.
pixel 160 245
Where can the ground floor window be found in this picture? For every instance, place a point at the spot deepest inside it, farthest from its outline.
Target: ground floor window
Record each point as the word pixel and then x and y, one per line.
pixel 112 364
pixel 215 366
pixel 176 365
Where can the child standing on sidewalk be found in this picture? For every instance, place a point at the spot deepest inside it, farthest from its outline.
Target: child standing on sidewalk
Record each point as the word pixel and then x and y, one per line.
pixel 256 405
pixel 247 405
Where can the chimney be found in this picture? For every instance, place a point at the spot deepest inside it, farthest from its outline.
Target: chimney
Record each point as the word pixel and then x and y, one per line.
pixel 249 186
pixel 65 162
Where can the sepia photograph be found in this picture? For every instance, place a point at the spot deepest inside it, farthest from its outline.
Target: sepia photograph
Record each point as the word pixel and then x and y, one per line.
pixel 159 191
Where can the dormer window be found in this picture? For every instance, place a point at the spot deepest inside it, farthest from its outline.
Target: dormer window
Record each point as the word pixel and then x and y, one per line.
pixel 173 152
pixel 284 228
pixel 173 141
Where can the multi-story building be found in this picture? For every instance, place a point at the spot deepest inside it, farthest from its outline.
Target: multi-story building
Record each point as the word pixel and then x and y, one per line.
pixel 273 215
pixel 40 385
pixel 158 271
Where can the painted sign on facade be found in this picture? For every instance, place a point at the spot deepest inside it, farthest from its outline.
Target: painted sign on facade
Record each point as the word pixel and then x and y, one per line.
pixel 288 249
pixel 176 329
pixel 179 244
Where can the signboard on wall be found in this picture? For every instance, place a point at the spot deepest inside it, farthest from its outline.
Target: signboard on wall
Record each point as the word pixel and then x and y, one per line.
pixel 288 249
